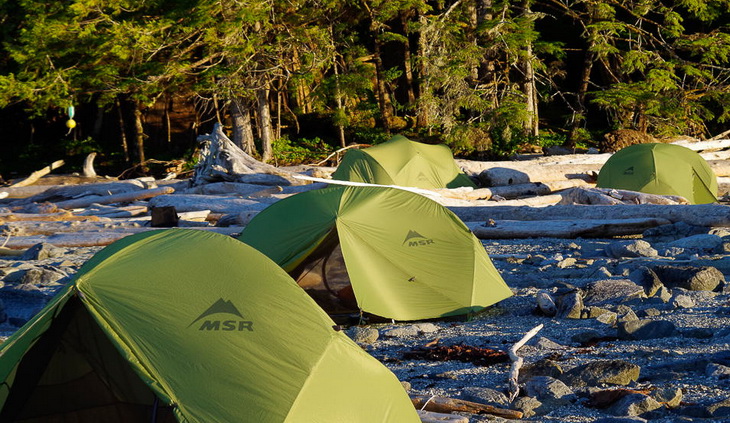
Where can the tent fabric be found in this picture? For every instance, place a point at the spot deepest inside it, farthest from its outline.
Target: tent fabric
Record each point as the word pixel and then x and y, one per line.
pixel 407 257
pixel 193 326
pixel 400 161
pixel 663 169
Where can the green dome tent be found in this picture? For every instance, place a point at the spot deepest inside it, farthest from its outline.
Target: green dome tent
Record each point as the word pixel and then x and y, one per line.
pixel 405 256
pixel 190 326
pixel 663 169
pixel 400 161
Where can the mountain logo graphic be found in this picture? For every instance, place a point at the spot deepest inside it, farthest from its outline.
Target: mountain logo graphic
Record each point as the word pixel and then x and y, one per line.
pixel 414 239
pixel 237 323
pixel 421 177
pixel 629 171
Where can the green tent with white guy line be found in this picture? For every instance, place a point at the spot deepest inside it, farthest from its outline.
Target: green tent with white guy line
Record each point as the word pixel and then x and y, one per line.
pixel 400 161
pixel 189 326
pixel 403 256
pixel 663 169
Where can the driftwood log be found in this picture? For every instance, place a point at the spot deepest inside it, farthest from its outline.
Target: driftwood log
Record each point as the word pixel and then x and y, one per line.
pixel 55 193
pixel 514 387
pixel 450 405
pixel 609 196
pixel 222 160
pixel 574 228
pixel 33 177
pixel 125 197
pixel 214 203
pixel 708 215
pixel 431 417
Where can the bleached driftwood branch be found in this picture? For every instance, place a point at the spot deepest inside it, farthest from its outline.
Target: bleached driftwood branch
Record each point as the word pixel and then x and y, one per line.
pixel 33 177
pixel 517 361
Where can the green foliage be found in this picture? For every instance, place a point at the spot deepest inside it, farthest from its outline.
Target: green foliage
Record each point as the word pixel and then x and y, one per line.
pixel 300 151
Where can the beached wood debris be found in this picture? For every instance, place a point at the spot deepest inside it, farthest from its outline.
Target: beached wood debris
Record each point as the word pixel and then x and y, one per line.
pixel 574 228
pixel 431 417
pixel 222 160
pixel 125 197
pixel 514 387
pixel 510 191
pixel 35 176
pixel 55 193
pixel 708 215
pixel 449 405
pixel 611 196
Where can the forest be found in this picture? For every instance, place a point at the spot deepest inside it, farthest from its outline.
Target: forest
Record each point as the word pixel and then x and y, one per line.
pixel 293 81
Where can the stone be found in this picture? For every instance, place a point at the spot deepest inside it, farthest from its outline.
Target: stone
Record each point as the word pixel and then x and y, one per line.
pixel 625 313
pixel 567 262
pixel 646 278
pixel 698 333
pixel 587 336
pixel 402 332
pixel 542 367
pixel 672 232
pixel 42 251
pixel 620 420
pixel 608 318
pixel 41 276
pixel 702 242
pixel 594 312
pixel 426 327
pixel 406 385
pixel 634 405
pixel 612 372
pixel 611 292
pixel 546 344
pixel 364 335
pixel 670 397
pixel 720 409
pixel 664 294
pixel 652 312
pixel 549 390
pixel 705 278
pixel 485 396
pixel 570 305
pixel 717 370
pixel 682 301
pixel 646 329
pixel 638 248
pixel 527 405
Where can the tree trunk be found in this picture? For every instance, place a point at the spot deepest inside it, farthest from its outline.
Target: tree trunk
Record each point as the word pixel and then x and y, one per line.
pixel 580 108
pixel 242 128
pixel 340 106
pixel 139 133
pixel 407 60
pixel 122 134
pixel 528 87
pixel 383 100
pixel 265 132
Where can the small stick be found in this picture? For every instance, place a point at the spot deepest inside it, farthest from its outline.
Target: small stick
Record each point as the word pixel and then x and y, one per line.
pixel 517 361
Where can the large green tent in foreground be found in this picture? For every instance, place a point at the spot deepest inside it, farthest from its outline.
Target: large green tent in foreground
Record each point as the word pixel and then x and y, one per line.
pixel 400 161
pixel 190 326
pixel 406 257
pixel 663 169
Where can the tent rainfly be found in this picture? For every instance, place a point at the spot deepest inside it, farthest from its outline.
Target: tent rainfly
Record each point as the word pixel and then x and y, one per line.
pixel 404 256
pixel 190 326
pixel 400 161
pixel 663 169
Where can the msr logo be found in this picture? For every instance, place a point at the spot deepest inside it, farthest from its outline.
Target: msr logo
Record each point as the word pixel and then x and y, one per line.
pixel 414 239
pixel 223 307
pixel 629 171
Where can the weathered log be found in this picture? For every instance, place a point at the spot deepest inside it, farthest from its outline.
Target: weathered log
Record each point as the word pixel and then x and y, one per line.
pixel 709 215
pixel 511 174
pixel 24 192
pixel 574 228
pixel 125 197
pixel 56 193
pixel 33 177
pixel 431 417
pixel 95 239
pixel 222 160
pixel 65 215
pixel 609 196
pixel 214 203
pixel 704 145
pixel 450 405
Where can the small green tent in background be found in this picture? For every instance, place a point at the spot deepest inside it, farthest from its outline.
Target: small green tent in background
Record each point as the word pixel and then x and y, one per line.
pixel 400 161
pixel 663 169
pixel 190 326
pixel 406 257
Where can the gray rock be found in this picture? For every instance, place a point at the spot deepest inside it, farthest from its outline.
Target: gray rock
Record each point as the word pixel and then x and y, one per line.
pixel 567 262
pixel 701 242
pixel 611 292
pixel 652 312
pixel 634 405
pixel 484 396
pixel 406 385
pixel 646 329
pixel 647 279
pixel 546 344
pixel 682 301
pixel 698 333
pixel 670 397
pixel 638 248
pixel 609 318
pixel 570 305
pixel 542 367
pixel 42 251
pixel 720 409
pixel 364 335
pixel 664 294
pixel 426 327
pixel 620 420
pixel 625 313
pixel 612 372
pixel 588 335
pixel 717 370
pixel 41 276
pixel 549 390
pixel 693 278
pixel 402 332
pixel 528 405
pixel 668 233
